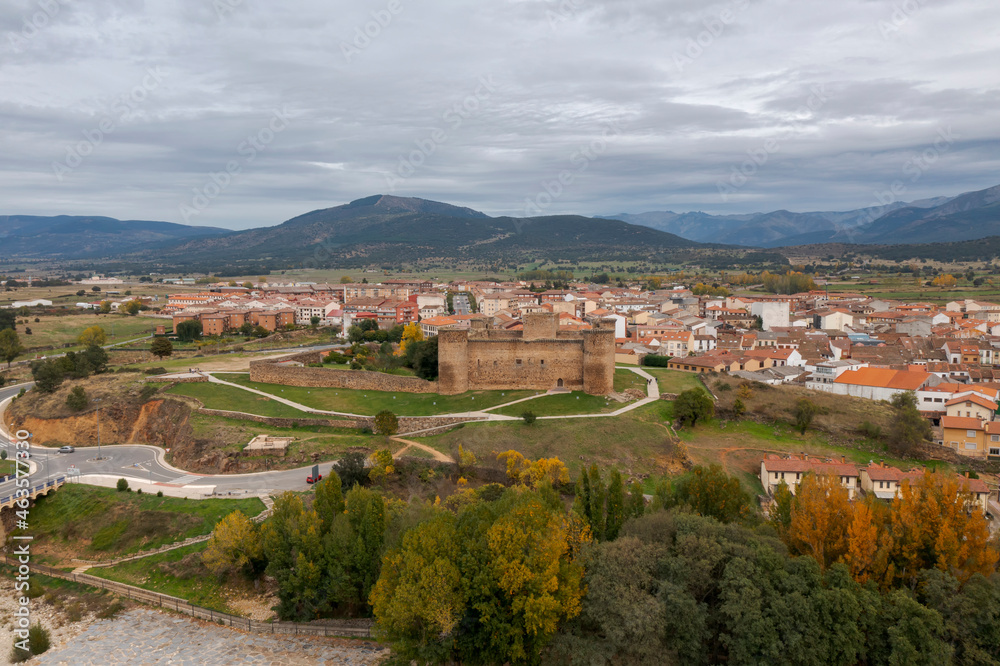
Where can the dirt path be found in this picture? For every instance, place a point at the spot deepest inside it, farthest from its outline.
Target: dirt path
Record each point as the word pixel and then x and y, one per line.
pixel 437 455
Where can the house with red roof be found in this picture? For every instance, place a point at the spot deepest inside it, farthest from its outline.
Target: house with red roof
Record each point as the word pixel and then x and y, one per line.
pixel 775 470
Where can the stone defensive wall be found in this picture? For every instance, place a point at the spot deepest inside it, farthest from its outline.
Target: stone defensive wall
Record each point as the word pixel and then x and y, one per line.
pixel 292 371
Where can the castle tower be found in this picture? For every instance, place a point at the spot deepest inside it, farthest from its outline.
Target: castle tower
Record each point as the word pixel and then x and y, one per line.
pixel 453 361
pixel 540 326
pixel 599 359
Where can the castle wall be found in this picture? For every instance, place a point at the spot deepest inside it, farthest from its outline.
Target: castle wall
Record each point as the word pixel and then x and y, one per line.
pixel 525 364
pixel 269 372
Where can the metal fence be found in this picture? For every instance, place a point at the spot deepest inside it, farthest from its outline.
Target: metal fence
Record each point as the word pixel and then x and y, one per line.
pixel 354 629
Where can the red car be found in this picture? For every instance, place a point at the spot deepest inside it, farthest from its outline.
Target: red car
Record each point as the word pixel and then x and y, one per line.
pixel 315 476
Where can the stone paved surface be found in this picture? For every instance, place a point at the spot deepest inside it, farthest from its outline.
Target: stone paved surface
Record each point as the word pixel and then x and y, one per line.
pixel 144 636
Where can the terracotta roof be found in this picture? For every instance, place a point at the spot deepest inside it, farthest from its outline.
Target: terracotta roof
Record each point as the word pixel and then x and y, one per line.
pixel 978 399
pixel 962 422
pixel 884 473
pixel 884 378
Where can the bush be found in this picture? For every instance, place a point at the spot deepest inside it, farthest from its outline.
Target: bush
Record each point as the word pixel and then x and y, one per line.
pixel 155 371
pixel 722 386
pixel 38 639
pixel 138 491
pixel 352 471
pixel 656 361
pixel 159 493
pixel 122 485
pixel 386 423
pixel 693 405
pixel 77 399
pixel 870 430
pixel 528 417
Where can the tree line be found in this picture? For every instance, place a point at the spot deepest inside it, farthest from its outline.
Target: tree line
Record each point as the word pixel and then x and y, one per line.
pixel 545 570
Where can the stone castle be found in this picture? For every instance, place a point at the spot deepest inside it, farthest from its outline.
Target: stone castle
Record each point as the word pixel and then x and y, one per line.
pixel 539 357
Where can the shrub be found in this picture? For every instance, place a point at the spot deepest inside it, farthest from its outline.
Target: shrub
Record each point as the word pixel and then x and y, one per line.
pixel 528 417
pixel 155 371
pixel 38 639
pixel 386 423
pixel 656 361
pixel 159 493
pixel 122 485
pixel 138 491
pixel 723 386
pixel 352 471
pixel 870 430
pixel 77 399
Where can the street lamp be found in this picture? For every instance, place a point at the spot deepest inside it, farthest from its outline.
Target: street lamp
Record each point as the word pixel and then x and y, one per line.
pixel 98 401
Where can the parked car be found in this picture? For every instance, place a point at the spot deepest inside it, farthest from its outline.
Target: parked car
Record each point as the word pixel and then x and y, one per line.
pixel 315 477
pixel 66 449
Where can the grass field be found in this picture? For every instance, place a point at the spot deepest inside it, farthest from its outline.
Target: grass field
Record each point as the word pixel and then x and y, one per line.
pixel 371 402
pixel 626 379
pixel 637 442
pixel 561 404
pixel 215 396
pixel 178 573
pixel 91 523
pixel 674 381
pixel 53 331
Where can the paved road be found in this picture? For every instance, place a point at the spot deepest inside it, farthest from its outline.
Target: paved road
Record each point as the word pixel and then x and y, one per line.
pixel 139 461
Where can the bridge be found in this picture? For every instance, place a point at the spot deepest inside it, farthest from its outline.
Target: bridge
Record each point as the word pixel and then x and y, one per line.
pixel 34 491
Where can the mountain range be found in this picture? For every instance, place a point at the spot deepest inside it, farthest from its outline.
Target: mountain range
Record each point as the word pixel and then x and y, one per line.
pixel 82 236
pixel 390 230
pixel 380 229
pixel 942 219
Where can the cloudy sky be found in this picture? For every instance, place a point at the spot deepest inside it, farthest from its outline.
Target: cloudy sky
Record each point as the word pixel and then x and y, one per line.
pixel 242 113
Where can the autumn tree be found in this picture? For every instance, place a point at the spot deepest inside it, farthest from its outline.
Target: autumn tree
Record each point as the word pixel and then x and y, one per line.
pixel 381 465
pixel 411 333
pixel 93 335
pixel 234 546
pixel 490 584
pixel 820 517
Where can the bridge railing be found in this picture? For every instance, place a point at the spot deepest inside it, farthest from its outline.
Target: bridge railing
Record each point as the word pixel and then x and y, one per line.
pixel 35 491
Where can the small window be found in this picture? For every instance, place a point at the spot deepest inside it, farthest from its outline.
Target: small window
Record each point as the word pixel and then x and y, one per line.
pixel 995 438
pixel 994 451
pixel 970 446
pixel 517 362
pixel 541 362
pixel 970 433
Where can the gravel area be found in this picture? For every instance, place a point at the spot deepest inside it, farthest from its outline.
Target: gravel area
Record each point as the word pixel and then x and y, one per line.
pixel 145 636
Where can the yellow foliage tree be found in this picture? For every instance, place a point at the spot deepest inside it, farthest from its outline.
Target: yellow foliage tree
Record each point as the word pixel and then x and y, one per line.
pixel 944 280
pixel 94 335
pixel 382 465
pixel 533 472
pixel 411 333
pixel 233 546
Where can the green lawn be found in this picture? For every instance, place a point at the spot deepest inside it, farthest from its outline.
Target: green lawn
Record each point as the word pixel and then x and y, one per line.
pixel 626 379
pixel 561 404
pixel 170 573
pixel 674 381
pixel 217 396
pixel 96 522
pixel 371 402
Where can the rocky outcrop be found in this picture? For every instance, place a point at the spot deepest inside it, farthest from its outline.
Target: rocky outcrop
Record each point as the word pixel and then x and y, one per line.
pixel 159 422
